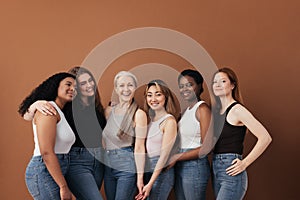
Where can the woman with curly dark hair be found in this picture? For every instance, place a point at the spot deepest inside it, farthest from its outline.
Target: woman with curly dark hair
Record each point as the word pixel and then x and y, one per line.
pixel 86 117
pixel 53 138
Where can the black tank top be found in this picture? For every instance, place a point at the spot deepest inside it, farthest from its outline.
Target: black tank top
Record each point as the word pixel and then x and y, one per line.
pixel 86 127
pixel 232 137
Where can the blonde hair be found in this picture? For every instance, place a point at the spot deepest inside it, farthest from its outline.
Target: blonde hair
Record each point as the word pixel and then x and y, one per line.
pixel 128 119
pixel 125 73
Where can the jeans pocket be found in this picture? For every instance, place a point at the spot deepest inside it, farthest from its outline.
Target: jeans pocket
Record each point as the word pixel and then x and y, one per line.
pixel 32 184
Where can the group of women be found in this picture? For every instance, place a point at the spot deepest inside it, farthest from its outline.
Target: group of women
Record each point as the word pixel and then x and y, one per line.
pixel 138 152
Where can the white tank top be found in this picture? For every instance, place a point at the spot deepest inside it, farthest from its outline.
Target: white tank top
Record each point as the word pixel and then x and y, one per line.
pixel 65 137
pixel 154 137
pixel 189 128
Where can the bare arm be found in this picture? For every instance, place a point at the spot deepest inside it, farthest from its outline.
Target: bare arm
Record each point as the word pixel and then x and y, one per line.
pixel 258 130
pixel 139 148
pixel 41 105
pixel 46 132
pixel 106 113
pixel 203 115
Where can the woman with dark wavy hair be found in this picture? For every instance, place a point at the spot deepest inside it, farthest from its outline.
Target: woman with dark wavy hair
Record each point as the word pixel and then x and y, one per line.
pixel 53 138
pixel 86 117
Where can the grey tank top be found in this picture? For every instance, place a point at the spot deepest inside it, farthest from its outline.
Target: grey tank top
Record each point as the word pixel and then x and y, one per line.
pixel 110 137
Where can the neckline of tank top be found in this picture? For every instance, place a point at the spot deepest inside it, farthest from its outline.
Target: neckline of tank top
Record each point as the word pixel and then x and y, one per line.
pixel 161 118
pixel 191 108
pixel 229 107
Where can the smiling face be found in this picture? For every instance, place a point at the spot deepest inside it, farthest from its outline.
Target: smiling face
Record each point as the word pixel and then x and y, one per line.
pixel 86 85
pixel 66 90
pixel 155 98
pixel 189 89
pixel 222 85
pixel 125 88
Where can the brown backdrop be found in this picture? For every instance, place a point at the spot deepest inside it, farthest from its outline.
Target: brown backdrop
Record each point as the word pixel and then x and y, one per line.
pixel 258 39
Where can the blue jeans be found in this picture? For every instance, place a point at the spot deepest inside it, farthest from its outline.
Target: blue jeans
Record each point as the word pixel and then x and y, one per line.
pixel 120 174
pixel 39 182
pixel 191 178
pixel 85 174
pixel 228 187
pixel 164 182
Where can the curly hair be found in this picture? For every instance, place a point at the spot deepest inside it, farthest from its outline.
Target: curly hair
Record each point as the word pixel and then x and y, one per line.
pixel 47 90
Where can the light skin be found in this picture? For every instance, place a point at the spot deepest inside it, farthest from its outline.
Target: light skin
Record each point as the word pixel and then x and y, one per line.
pixel 156 101
pixel 239 116
pixel 189 91
pixel 86 87
pixel 125 88
pixel 46 132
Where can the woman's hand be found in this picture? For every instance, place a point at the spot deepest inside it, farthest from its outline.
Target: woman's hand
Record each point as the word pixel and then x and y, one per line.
pixel 146 192
pixel 65 193
pixel 44 107
pixel 140 186
pixel 173 160
pixel 237 167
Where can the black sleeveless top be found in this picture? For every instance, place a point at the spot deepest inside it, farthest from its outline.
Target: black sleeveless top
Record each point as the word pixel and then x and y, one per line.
pixel 87 124
pixel 232 137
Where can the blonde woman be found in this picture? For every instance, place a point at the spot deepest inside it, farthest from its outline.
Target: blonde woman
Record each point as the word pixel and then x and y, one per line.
pixel 124 138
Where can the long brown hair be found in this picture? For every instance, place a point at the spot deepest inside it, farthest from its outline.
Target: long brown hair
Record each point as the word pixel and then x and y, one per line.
pixel 170 104
pixel 236 93
pixel 77 71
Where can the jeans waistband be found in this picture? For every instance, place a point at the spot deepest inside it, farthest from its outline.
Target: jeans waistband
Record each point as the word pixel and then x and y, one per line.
pixel 83 149
pixel 59 157
pixel 122 149
pixel 225 155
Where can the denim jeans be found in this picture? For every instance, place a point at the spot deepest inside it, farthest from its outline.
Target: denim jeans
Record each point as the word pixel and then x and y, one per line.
pixel 191 178
pixel 85 174
pixel 120 174
pixel 164 182
pixel 39 182
pixel 228 187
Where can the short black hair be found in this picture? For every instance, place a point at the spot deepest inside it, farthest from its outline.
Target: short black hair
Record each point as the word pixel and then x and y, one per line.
pixel 195 75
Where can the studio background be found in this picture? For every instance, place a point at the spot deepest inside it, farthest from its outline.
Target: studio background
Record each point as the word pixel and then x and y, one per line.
pixel 258 39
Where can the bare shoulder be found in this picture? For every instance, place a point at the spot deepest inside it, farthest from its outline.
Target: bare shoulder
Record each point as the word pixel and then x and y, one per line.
pixel 203 107
pixel 239 109
pixel 40 117
pixel 240 113
pixel 107 111
pixel 140 114
pixel 170 121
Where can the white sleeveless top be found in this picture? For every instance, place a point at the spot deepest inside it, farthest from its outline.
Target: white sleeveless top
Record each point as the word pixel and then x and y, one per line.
pixel 154 137
pixel 65 137
pixel 189 128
